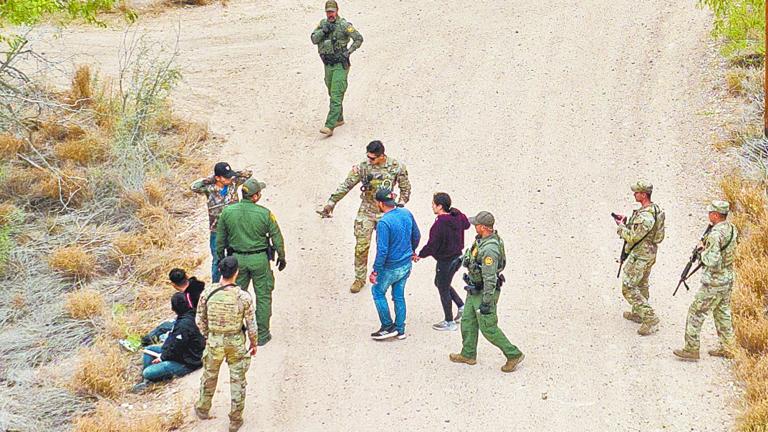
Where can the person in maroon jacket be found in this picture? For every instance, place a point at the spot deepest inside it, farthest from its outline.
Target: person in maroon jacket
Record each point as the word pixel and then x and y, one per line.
pixel 446 243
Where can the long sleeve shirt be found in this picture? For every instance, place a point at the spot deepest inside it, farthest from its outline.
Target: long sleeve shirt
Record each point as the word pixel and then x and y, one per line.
pixel 446 237
pixel 397 236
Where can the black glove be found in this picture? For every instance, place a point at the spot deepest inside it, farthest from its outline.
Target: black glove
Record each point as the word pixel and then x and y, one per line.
pixel 280 264
pixel 485 308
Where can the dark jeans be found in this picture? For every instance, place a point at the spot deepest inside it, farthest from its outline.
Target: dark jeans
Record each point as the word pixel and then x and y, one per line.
pixel 215 275
pixel 164 370
pixel 443 279
pixel 158 334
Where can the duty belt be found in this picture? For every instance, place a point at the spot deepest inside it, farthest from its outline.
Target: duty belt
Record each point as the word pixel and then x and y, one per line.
pixel 253 252
pixel 230 333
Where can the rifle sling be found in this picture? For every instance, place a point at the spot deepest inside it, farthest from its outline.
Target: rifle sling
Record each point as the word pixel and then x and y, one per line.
pixel 646 234
pixel 217 290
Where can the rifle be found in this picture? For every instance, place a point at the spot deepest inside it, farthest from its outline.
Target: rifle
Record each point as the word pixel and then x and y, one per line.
pixel 687 273
pixel 623 256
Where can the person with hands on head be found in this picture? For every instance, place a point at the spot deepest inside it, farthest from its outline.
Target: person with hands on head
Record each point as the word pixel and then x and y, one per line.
pixel 251 233
pixel 485 261
pixel 220 190
pixel 642 233
pixel 332 37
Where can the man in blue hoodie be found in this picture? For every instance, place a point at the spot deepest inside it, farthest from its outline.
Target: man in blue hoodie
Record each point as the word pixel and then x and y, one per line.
pixel 397 237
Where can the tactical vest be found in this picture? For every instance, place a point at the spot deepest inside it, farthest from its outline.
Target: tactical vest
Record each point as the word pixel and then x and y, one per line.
pixel 373 178
pixel 335 43
pixel 224 315
pixel 475 261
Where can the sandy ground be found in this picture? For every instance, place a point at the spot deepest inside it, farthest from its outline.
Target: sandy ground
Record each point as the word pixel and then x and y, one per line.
pixel 541 112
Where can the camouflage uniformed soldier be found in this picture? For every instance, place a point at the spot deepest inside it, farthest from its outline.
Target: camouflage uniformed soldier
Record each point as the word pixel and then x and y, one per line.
pixel 332 37
pixel 485 261
pixel 642 233
pixel 225 316
pixel 717 252
pixel 379 171
pixel 220 191
pixel 251 233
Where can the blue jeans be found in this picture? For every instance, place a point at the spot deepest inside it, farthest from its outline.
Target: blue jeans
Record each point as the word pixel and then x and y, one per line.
pixel 215 275
pixel 396 278
pixel 165 369
pixel 158 334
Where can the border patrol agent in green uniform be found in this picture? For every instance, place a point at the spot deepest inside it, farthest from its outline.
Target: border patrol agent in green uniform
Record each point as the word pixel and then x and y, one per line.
pixel 332 37
pixel 485 261
pixel 250 232
pixel 718 251
pixel 224 316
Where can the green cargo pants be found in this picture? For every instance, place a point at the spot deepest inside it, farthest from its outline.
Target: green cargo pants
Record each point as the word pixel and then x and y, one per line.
pixel 472 320
pixel 336 82
pixel 255 268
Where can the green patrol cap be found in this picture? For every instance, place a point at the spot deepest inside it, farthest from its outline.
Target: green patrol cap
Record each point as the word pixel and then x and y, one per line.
pixel 331 5
pixel 721 207
pixel 642 186
pixel 252 187
pixel 483 218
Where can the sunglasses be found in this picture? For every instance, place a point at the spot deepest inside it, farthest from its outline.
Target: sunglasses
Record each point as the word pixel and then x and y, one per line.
pixel 372 158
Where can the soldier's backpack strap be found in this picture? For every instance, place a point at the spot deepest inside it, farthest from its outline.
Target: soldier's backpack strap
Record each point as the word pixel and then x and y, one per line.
pixel 646 234
pixel 733 234
pixel 217 290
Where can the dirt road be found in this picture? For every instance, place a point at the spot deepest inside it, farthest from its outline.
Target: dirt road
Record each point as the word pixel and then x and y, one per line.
pixel 541 112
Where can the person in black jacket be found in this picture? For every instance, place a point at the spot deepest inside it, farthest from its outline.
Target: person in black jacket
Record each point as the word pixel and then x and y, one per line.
pixel 182 351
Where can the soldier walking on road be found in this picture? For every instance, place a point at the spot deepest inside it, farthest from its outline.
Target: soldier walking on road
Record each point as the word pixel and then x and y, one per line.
pixel 717 255
pixel 378 172
pixel 220 190
pixel 251 233
pixel 484 261
pixel 642 233
pixel 332 37
pixel 224 317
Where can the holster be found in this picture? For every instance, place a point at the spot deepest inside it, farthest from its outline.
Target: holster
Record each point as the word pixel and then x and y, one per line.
pixel 270 251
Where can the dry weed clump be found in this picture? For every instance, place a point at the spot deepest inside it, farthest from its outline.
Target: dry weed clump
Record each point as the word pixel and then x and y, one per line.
pixel 10 146
pixel 84 303
pixel 73 261
pixel 81 92
pixel 8 213
pixel 70 187
pixel 734 82
pixel 108 418
pixel 101 371
pixel 84 151
pixel 160 227
pixel 17 182
pixel 129 244
pixel 52 131
pixel 155 191
pixel 747 197
pixel 155 264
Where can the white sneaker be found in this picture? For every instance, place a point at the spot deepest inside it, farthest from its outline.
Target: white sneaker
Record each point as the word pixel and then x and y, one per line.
pixel 457 318
pixel 445 326
pixel 401 336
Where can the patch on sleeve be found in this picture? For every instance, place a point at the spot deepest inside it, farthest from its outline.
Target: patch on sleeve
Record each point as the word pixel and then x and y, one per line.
pixel 488 261
pixel 350 29
pixel 272 217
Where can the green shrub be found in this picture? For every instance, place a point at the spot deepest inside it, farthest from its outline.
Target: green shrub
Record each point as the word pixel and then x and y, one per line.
pixel 741 24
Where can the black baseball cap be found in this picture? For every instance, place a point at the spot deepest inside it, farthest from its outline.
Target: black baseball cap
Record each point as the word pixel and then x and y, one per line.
pixel 386 197
pixel 222 169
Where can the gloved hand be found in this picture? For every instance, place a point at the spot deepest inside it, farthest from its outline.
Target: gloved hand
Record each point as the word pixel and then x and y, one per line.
pixel 328 27
pixel 280 264
pixel 485 308
pixel 326 212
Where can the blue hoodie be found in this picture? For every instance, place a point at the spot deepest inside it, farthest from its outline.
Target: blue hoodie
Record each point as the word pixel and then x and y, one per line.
pixel 397 236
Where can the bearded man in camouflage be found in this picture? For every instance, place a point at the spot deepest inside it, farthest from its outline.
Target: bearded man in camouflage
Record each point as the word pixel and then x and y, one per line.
pixel 717 252
pixel 332 37
pixel 642 233
pixel 378 172
pixel 225 317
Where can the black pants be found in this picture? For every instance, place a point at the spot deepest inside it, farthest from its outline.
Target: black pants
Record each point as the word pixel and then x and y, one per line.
pixel 443 278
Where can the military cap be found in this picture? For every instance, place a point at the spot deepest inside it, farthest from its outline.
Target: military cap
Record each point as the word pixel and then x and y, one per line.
pixel 386 197
pixel 331 5
pixel 721 207
pixel 252 187
pixel 483 218
pixel 228 265
pixel 642 186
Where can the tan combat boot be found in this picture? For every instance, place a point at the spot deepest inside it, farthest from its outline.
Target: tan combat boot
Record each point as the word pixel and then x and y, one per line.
pixel 234 425
pixel 458 358
pixel 202 415
pixel 649 327
pixel 631 316
pixel 720 352
pixel 685 354
pixel 357 285
pixel 512 363
pixel 340 123
pixel 326 131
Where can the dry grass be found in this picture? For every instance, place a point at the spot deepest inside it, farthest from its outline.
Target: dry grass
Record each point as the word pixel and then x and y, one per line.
pixel 8 213
pixel 734 82
pixel 746 196
pixel 19 182
pixel 108 418
pixel 52 131
pixel 155 264
pixel 84 304
pixel 84 151
pixel 10 146
pixel 129 244
pixel 69 187
pixel 81 92
pixel 101 371
pixel 160 227
pixel 73 261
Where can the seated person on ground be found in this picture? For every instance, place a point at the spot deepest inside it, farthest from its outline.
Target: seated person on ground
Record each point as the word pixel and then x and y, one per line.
pixel 182 351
